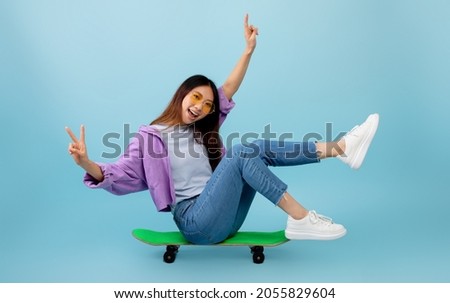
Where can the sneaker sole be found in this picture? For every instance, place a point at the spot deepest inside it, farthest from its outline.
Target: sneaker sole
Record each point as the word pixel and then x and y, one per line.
pixel 361 153
pixel 313 236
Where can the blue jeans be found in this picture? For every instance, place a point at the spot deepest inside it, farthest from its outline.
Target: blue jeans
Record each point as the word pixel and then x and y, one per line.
pixel 220 210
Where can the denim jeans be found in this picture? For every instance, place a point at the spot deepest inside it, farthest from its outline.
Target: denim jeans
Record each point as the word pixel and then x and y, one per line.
pixel 220 210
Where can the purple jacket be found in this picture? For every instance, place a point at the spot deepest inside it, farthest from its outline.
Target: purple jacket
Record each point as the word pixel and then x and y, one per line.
pixel 145 165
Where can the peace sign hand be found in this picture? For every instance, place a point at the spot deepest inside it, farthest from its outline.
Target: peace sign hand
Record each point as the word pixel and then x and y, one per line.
pixel 77 149
pixel 250 33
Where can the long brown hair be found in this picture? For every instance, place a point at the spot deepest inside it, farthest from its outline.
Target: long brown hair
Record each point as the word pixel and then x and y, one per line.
pixel 206 130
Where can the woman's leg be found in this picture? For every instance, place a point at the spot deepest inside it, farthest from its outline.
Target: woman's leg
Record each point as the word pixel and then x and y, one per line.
pixel 350 149
pixel 247 196
pixel 223 205
pixel 330 149
pixel 220 210
pixel 292 207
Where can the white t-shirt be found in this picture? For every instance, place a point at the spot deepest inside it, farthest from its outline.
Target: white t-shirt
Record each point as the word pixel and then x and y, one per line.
pixel 188 161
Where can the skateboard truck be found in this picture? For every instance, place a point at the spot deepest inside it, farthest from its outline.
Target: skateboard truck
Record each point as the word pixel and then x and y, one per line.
pixel 172 251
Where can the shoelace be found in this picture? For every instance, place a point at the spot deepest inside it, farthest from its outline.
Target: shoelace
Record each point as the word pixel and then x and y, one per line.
pixel 316 218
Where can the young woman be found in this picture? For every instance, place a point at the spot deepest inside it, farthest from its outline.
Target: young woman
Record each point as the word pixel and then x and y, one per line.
pixel 180 159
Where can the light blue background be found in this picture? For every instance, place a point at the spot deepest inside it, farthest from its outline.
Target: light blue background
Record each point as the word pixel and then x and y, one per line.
pixel 110 63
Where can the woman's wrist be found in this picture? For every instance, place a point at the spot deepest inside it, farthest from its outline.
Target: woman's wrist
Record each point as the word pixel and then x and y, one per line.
pixel 86 164
pixel 93 169
pixel 249 50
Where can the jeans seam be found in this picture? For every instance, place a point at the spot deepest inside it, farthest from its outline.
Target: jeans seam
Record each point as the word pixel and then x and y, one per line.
pixel 267 178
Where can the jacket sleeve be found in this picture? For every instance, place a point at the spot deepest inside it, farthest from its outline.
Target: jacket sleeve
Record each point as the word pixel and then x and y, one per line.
pixel 124 176
pixel 226 105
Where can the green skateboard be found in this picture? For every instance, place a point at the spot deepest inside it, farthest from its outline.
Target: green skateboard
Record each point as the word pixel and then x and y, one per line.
pixel 174 239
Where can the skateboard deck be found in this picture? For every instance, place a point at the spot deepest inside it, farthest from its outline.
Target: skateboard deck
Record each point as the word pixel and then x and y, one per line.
pixel 174 239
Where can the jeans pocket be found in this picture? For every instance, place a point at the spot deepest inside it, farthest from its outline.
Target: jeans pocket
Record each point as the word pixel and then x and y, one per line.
pixel 181 209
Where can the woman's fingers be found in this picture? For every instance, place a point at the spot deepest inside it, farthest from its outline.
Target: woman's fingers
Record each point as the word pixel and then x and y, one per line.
pixel 77 148
pixel 254 30
pixel 74 138
pixel 82 133
pixel 74 148
pixel 250 31
pixel 247 28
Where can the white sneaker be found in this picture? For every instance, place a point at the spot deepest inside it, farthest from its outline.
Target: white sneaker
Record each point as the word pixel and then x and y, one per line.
pixel 313 227
pixel 357 142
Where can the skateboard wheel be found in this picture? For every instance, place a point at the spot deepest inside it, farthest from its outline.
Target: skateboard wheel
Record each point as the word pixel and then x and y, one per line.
pixel 258 254
pixel 171 253
pixel 258 257
pixel 169 257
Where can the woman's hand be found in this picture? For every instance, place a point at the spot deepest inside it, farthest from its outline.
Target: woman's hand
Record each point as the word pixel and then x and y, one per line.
pixel 77 149
pixel 250 33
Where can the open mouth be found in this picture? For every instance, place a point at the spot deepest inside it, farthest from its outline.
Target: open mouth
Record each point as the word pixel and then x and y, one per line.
pixel 192 114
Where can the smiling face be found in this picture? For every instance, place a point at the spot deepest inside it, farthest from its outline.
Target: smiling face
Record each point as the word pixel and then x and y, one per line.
pixel 197 104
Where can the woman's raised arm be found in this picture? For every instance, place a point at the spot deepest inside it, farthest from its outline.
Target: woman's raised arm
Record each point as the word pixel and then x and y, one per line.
pixel 236 77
